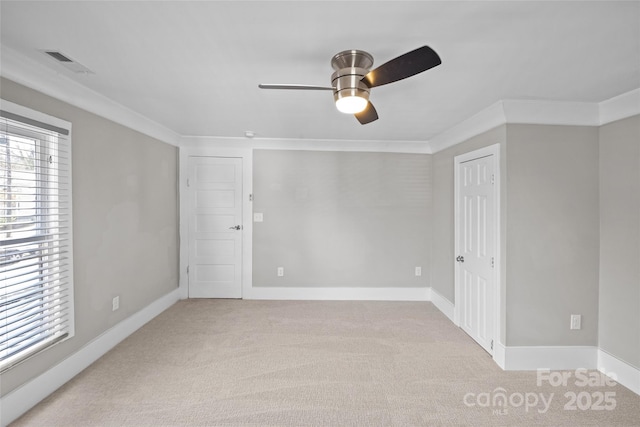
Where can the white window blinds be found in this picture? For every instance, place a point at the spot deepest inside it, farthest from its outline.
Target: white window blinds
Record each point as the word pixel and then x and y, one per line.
pixel 36 288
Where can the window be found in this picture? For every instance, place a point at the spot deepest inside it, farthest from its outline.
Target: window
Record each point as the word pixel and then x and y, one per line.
pixel 36 274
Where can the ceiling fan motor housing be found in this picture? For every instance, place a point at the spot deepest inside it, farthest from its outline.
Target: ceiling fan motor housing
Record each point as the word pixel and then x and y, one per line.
pixel 352 59
pixel 348 82
pixel 351 66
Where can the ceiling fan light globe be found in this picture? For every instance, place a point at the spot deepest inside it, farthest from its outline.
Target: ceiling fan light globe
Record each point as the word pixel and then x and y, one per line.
pixel 351 104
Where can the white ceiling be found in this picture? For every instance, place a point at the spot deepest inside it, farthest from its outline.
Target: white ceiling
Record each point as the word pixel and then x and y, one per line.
pixel 194 66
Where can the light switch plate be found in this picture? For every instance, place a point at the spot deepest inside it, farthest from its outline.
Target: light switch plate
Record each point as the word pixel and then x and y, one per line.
pixel 258 217
pixel 576 321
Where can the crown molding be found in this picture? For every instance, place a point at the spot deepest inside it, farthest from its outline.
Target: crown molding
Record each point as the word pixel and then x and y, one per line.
pixel 541 112
pixel 411 147
pixel 25 71
pixel 620 107
pixel 483 121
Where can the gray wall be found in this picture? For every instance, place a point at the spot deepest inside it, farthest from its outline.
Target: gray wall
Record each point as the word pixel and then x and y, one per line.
pixel 340 219
pixel 443 257
pixel 125 224
pixel 549 230
pixel 552 234
pixel 367 219
pixel 619 321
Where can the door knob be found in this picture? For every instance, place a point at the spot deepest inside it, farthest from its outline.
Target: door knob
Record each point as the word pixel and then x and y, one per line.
pixel 237 227
pixel 460 258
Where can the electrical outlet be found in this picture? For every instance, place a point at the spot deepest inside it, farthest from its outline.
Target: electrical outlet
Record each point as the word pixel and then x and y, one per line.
pixel 576 321
pixel 115 304
pixel 280 271
pixel 418 271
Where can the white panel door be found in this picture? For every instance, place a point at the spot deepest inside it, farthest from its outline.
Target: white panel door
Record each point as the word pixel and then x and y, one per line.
pixel 215 227
pixel 476 244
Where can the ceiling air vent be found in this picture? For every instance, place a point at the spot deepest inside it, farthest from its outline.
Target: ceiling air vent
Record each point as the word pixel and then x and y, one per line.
pixel 57 55
pixel 67 62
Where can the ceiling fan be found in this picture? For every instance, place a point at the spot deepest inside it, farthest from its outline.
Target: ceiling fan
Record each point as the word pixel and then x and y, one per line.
pixel 352 80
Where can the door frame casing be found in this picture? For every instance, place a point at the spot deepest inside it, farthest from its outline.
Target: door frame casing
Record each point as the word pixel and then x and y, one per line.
pixel 491 150
pixel 199 150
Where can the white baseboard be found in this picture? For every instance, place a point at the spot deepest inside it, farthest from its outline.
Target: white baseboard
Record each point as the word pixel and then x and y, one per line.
pixel 443 304
pixel 529 358
pixel 19 401
pixel 624 373
pixel 500 354
pixel 340 294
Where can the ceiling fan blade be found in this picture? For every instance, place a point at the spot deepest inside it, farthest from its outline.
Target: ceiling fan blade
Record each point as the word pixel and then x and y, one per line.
pixel 294 87
pixel 407 65
pixel 368 115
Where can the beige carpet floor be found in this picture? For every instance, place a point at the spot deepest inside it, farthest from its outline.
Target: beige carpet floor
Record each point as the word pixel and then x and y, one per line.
pixel 311 363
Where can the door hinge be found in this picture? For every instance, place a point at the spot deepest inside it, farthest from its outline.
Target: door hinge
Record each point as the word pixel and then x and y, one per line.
pixel 187 270
pixel 251 197
pixel 492 262
pixel 493 179
pixel 491 344
pixel 188 184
